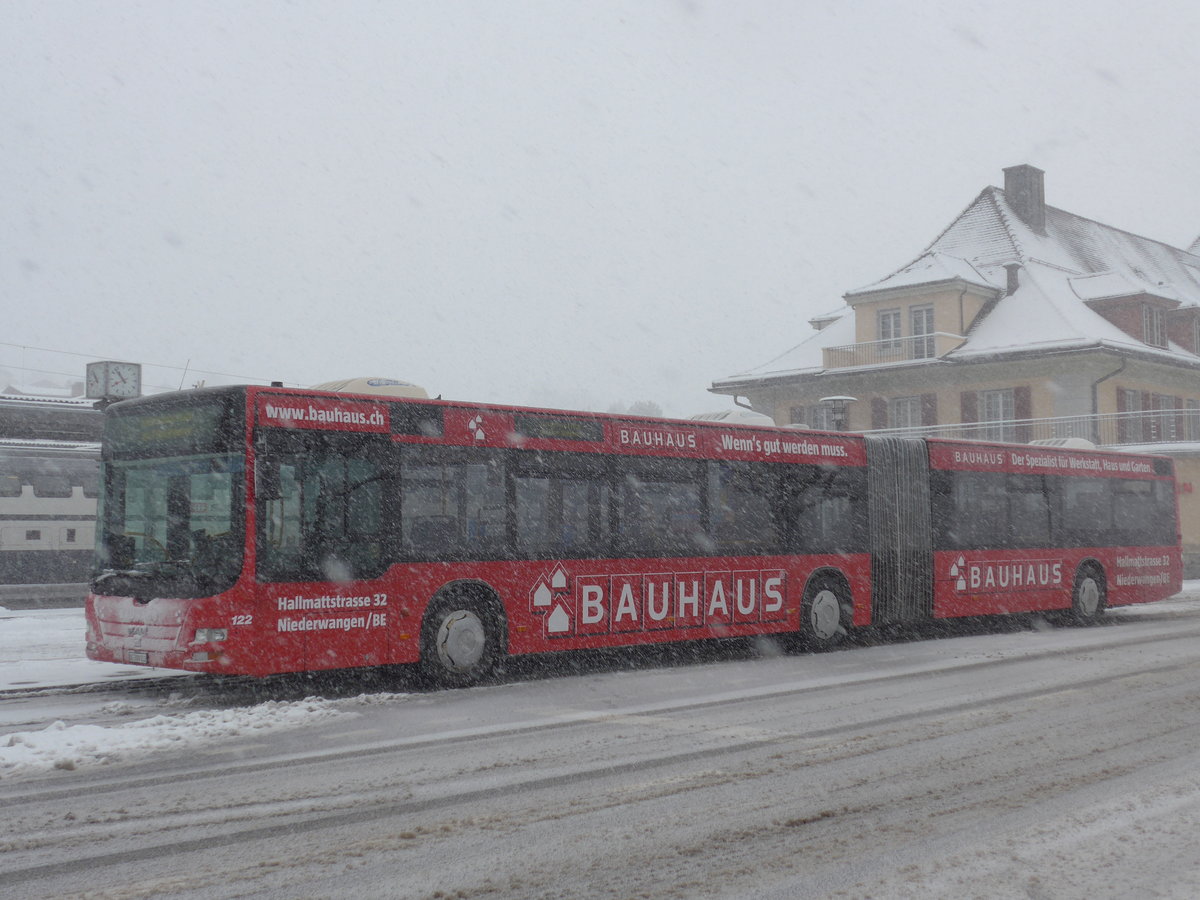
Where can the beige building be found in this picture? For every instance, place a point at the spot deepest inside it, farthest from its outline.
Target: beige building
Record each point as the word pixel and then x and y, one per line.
pixel 1019 322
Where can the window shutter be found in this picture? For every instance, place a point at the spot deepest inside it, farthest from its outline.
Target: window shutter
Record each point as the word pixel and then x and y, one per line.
pixel 1022 402
pixel 969 401
pixel 1022 411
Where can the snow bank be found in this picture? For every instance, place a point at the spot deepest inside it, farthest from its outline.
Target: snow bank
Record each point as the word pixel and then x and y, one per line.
pixel 59 746
pixel 44 648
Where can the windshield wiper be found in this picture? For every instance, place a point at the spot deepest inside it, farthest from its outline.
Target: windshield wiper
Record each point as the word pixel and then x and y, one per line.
pixel 163 575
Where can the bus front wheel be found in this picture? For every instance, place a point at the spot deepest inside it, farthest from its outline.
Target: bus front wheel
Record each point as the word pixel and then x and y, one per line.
pixel 825 613
pixel 461 641
pixel 1089 595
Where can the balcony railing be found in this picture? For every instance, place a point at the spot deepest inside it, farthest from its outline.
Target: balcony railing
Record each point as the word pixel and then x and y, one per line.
pixel 1112 429
pixel 897 350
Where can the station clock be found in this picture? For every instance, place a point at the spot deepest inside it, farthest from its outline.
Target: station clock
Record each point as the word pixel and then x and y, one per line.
pixel 112 380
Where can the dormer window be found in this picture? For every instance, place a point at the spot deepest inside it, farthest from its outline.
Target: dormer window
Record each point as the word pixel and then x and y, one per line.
pixel 1154 327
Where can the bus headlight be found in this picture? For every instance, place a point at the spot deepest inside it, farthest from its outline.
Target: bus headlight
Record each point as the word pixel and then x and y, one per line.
pixel 210 635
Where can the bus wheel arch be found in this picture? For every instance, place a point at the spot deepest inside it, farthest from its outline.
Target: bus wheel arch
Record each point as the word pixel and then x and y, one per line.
pixel 1089 592
pixel 464 635
pixel 826 611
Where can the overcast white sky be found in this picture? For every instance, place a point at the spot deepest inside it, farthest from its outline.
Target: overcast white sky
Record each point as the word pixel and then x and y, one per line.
pixel 536 201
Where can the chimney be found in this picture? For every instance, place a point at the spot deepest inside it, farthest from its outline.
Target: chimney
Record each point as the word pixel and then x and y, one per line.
pixel 1014 281
pixel 1024 189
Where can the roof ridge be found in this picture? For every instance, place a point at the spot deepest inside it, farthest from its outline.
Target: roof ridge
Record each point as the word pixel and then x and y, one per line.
pixel 994 193
pixel 988 194
pixel 962 212
pixel 929 248
pixel 1132 234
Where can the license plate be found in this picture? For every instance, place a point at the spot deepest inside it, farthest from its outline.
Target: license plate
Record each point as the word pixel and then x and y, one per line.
pixel 138 657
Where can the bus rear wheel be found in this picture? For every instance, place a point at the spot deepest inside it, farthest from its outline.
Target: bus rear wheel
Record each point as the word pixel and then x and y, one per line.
pixel 461 641
pixel 1089 595
pixel 824 613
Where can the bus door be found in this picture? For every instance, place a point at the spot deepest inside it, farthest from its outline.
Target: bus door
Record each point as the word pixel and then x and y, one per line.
pixel 900 540
pixel 323 546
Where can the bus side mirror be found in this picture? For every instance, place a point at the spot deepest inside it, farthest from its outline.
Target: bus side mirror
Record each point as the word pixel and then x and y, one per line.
pixel 266 480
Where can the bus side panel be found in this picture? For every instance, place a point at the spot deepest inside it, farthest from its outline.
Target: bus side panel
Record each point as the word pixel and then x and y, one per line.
pixel 1143 575
pixel 585 604
pixel 995 582
pixel 328 626
pixel 550 605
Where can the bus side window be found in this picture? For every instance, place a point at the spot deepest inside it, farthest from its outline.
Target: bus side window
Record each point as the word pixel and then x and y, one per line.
pixel 428 509
pixel 326 520
pixel 743 512
pixel 452 508
pixel 1143 512
pixel 561 515
pixel 537 513
pixel 1087 512
pixel 574 524
pixel 972 510
pixel 826 510
pixel 661 510
pixel 485 508
pixel 586 516
pixel 1028 511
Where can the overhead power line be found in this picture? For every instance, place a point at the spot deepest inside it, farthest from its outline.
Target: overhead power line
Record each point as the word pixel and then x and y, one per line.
pixel 97 356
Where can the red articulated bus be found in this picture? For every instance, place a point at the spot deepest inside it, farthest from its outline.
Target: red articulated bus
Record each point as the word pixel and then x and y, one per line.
pixel 259 530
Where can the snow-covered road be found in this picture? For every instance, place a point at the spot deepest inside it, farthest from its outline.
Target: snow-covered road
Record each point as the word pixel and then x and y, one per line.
pixel 1034 763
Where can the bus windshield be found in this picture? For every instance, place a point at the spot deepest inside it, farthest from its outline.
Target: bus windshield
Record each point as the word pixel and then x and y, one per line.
pixel 171 527
pixel 171 507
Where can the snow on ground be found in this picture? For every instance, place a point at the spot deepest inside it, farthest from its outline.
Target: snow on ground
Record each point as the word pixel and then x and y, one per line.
pixel 45 648
pixel 62 746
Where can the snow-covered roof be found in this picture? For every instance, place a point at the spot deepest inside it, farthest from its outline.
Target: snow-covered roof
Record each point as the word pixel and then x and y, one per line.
pixel 8 445
pixel 807 355
pixel 1071 261
pixel 1110 285
pixel 736 417
pixel 1044 313
pixel 46 400
pixel 931 268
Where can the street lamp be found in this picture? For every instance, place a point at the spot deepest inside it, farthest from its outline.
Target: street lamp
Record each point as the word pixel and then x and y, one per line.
pixel 839 408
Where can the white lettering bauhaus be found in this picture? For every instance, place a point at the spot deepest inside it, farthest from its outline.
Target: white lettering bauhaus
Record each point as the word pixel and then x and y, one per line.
pixel 1017 575
pixel 608 604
